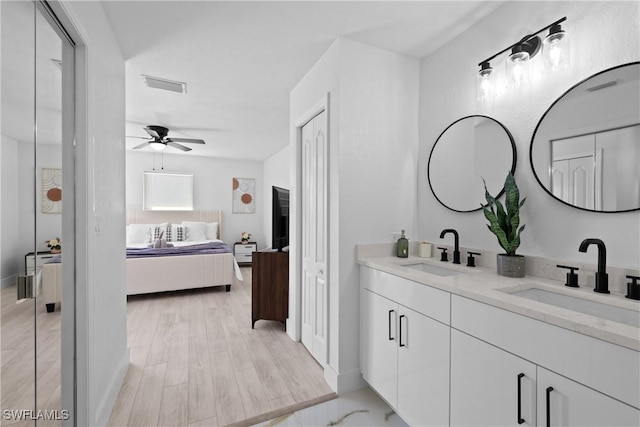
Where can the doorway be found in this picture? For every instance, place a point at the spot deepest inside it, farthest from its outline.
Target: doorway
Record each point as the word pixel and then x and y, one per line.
pixel 37 187
pixel 313 195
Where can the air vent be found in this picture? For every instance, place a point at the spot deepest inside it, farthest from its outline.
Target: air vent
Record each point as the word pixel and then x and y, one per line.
pixel 164 84
pixel 602 86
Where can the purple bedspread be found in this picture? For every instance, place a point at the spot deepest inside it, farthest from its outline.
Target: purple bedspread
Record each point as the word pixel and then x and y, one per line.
pixel 199 249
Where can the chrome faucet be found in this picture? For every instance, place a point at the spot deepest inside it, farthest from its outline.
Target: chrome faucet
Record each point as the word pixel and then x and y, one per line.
pixel 602 278
pixel 456 249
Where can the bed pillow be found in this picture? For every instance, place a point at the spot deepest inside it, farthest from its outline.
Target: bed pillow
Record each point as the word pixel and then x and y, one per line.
pixel 212 231
pixel 176 233
pixel 196 231
pixel 144 233
pixel 139 233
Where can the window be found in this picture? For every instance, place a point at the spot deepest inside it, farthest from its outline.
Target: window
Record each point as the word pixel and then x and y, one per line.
pixel 167 191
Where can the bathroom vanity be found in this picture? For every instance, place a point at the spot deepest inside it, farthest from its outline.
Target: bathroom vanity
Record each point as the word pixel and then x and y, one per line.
pixel 451 345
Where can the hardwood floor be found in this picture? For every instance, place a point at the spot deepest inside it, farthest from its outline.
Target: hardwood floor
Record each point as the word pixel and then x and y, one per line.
pixel 18 367
pixel 195 361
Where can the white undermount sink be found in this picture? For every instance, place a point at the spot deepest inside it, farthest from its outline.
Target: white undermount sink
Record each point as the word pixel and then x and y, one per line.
pixel 433 269
pixel 581 305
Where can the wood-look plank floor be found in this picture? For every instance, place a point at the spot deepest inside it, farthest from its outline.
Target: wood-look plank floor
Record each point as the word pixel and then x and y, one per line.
pixel 195 361
pixel 19 369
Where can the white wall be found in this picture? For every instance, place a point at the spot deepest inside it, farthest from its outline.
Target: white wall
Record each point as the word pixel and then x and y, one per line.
pixel 212 179
pixel 603 34
pixel 373 138
pixel 103 357
pixel 12 262
pixel 277 171
pixel 18 200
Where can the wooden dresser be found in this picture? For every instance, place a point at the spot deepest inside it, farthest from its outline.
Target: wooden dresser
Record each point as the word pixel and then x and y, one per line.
pixel 269 286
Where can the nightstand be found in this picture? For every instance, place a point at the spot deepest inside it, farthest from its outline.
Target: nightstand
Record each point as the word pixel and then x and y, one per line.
pixel 244 252
pixel 31 260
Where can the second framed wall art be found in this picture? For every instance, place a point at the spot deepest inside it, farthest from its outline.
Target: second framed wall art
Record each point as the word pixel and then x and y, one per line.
pixel 244 195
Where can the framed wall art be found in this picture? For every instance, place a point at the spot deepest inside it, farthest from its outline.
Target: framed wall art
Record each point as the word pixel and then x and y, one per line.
pixel 51 183
pixel 244 195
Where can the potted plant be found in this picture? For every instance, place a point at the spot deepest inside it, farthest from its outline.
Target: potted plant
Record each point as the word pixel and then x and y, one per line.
pixel 244 237
pixel 54 245
pixel 505 224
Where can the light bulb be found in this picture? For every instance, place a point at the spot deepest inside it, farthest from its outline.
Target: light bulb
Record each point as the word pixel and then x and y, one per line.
pixel 157 145
pixel 555 50
pixel 484 84
pixel 518 68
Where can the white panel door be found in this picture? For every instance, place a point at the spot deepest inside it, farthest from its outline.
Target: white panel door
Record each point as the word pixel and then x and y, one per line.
pixel 314 237
pixel 490 387
pixel 562 402
pixel 573 180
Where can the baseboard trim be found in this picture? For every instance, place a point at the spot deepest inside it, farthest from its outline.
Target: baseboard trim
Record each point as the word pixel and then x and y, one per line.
pixel 8 281
pixel 103 411
pixel 344 382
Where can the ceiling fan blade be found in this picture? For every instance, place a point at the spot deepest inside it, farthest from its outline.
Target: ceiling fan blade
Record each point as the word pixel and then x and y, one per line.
pixel 138 137
pixel 178 146
pixel 187 140
pixel 152 132
pixel 144 144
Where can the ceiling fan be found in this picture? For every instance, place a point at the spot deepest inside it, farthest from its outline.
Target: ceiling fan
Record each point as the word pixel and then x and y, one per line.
pixel 159 141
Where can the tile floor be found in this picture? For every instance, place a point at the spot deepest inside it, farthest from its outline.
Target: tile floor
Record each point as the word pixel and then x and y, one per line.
pixel 359 408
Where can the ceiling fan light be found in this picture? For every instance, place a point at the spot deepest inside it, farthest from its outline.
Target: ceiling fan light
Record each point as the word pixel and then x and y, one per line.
pixel 157 145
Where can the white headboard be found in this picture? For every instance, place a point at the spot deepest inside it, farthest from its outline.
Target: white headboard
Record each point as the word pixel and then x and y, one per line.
pixel 176 217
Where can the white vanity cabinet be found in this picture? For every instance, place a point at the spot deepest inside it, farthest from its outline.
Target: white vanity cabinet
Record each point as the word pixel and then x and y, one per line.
pixel 490 347
pixel 404 351
pixel 441 359
pixel 490 387
pixel 562 402
pixel 379 347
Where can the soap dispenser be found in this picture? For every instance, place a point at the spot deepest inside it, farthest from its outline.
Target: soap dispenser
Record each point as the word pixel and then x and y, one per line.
pixel 402 248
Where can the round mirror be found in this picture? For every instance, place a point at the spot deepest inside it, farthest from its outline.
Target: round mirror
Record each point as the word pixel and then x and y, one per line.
pixel 469 150
pixel 585 150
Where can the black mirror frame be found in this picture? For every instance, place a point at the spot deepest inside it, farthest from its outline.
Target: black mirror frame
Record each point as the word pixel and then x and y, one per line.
pixel 533 137
pixel 513 162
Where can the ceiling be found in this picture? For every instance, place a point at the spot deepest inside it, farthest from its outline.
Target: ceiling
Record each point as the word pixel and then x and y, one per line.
pixel 241 59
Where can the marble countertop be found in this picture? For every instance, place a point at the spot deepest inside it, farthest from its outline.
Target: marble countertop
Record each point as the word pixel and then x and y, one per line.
pixel 484 285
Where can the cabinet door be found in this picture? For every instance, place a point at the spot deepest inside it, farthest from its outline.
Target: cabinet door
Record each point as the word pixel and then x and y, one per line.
pixel 379 345
pixel 423 369
pixel 562 402
pixel 485 382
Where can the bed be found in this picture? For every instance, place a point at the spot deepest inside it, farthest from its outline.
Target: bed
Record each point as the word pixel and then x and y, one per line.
pixel 216 266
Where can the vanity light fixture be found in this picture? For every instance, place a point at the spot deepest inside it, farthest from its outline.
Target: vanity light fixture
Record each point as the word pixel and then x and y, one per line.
pixel 555 51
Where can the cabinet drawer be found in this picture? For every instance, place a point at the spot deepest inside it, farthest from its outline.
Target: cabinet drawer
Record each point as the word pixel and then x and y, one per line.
pixel 424 299
pixel 243 257
pixel 245 249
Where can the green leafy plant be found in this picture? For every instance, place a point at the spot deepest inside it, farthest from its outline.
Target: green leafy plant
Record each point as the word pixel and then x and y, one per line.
pixel 505 224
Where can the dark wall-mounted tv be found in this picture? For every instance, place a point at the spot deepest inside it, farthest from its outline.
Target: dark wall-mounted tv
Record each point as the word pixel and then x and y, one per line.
pixel 280 218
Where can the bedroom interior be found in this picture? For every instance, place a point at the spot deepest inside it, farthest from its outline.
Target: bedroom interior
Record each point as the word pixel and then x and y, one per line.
pixel 336 103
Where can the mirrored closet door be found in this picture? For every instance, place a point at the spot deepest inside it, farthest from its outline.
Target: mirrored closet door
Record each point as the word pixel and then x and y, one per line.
pixel 37 131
